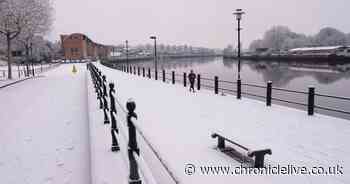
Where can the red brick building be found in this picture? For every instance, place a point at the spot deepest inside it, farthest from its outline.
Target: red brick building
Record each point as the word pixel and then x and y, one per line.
pixel 78 46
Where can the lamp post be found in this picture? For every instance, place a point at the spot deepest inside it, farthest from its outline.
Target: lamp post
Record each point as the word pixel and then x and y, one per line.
pixel 127 53
pixel 239 14
pixel 155 56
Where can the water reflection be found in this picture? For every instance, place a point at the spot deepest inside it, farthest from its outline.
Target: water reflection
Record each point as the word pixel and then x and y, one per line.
pixel 282 73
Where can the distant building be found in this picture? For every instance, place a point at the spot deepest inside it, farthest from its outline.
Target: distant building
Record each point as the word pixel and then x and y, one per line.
pixel 78 46
pixel 322 51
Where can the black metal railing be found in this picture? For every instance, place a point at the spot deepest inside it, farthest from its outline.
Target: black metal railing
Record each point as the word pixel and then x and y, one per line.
pixel 99 81
pixel 239 88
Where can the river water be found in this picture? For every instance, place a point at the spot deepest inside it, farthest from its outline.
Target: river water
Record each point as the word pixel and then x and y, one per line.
pixel 327 79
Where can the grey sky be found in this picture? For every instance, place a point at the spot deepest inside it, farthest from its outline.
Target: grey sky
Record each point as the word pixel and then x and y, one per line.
pixel 208 23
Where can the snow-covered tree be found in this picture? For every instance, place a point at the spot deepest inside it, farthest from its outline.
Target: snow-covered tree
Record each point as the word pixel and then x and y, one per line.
pixel 330 37
pixel 256 44
pixel 38 25
pixel 15 17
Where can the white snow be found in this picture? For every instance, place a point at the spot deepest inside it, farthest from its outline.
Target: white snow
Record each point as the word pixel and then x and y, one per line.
pixel 52 132
pixel 44 133
pixel 179 125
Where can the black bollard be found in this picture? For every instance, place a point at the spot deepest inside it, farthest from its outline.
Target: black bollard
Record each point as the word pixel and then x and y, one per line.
pixel 112 105
pixel 105 110
pixel 130 106
pixel 115 145
pixel 216 85
pixel 143 71
pixel 239 89
pixel 198 82
pixel 163 75
pixel 149 73
pixel 104 86
pixel 138 71
pixel 269 93
pixel 134 177
pixel 173 76
pixel 185 78
pixel 311 101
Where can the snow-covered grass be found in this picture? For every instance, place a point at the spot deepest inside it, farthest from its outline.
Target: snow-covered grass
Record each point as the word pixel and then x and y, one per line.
pixel 18 72
pixel 179 125
pixel 44 137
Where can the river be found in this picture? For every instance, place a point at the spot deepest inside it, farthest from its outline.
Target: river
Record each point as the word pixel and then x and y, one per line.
pixel 327 79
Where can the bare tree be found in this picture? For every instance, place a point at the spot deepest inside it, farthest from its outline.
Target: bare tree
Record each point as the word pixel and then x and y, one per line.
pixel 17 16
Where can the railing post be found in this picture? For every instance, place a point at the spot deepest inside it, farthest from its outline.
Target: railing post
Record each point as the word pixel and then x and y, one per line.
pixel 156 74
pixel 311 101
pixel 198 82
pixel 138 71
pixel 134 70
pixel 173 77
pixel 134 177
pixel 216 84
pixel 185 78
pixel 163 75
pixel 113 111
pixel 239 89
pixel 269 93
pixel 149 73
pixel 131 106
pixel 143 71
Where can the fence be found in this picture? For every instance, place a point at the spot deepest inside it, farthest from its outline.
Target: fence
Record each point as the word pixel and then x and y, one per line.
pixel 26 71
pixel 219 85
pixel 135 159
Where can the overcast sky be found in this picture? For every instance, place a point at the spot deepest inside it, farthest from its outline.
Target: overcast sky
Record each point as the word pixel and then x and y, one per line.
pixel 207 23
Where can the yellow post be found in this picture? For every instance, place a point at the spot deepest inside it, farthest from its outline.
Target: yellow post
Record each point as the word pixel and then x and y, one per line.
pixel 74 69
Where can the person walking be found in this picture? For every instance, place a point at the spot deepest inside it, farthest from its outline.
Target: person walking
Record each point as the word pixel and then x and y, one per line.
pixel 192 78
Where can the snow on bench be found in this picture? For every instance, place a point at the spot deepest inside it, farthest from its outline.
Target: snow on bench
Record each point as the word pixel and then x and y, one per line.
pixel 258 154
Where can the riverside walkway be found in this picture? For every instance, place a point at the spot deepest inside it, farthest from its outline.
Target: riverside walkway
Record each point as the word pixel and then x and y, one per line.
pixel 53 132
pixel 179 125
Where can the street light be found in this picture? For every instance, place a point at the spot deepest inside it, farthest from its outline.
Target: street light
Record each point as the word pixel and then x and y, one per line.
pixel 127 53
pixel 155 56
pixel 239 14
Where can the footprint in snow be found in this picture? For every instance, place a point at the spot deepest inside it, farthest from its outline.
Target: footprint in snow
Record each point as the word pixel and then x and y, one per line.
pixel 70 148
pixel 28 139
pixel 48 180
pixel 68 122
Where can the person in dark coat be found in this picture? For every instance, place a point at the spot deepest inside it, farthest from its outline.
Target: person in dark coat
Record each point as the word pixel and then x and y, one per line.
pixel 192 78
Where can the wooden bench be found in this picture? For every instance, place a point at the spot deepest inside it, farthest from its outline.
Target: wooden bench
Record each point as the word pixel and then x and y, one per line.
pixel 258 154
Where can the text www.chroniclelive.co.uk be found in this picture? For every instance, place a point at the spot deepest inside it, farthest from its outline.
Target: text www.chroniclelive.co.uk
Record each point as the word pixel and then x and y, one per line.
pixel 191 169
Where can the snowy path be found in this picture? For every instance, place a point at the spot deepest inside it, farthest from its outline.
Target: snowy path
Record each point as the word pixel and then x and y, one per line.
pixel 44 135
pixel 179 124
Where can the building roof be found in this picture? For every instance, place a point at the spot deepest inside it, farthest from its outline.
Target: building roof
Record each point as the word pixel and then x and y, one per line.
pixel 317 48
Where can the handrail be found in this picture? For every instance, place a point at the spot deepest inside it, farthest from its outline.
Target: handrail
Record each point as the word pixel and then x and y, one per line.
pixel 331 96
pixel 330 109
pixel 291 91
pixel 253 85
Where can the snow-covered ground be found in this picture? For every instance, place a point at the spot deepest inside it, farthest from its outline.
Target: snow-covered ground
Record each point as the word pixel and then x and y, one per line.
pixel 179 125
pixel 44 135
pixel 53 133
